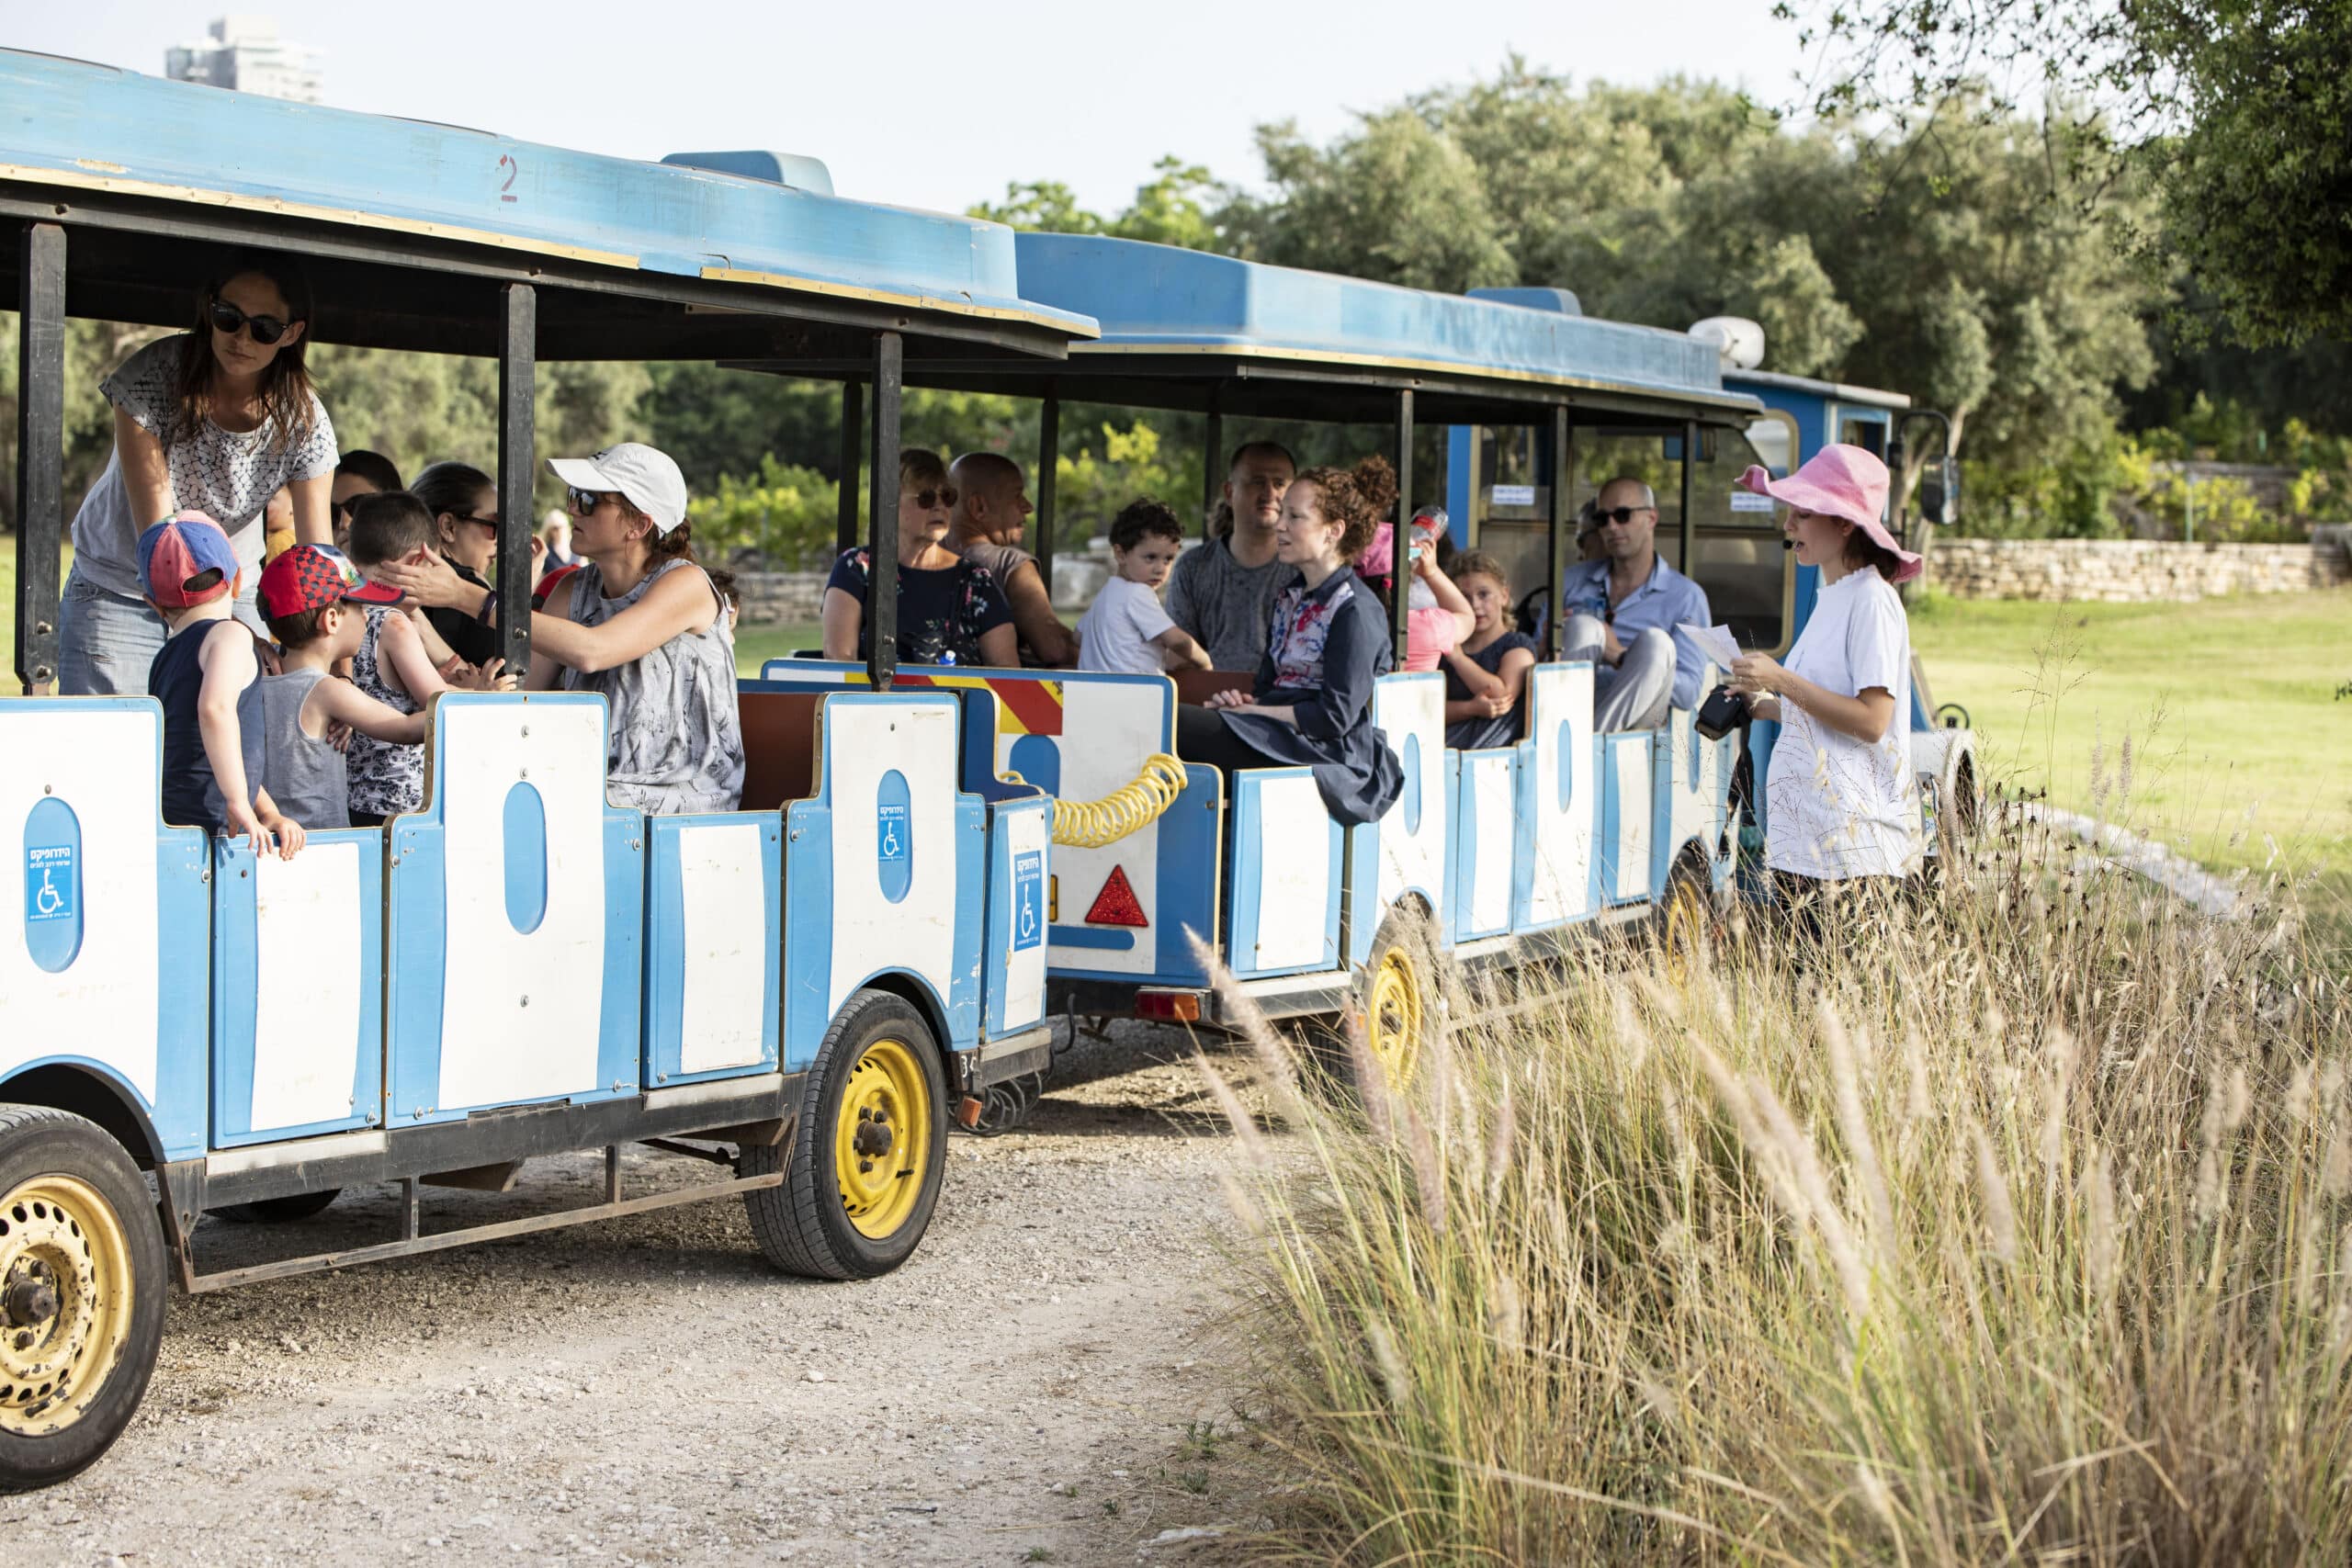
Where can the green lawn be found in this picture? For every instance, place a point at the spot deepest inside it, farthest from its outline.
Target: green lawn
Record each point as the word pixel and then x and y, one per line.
pixel 755 644
pixel 2239 745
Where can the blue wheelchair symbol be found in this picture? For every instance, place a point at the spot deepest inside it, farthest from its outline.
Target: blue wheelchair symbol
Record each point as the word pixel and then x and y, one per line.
pixel 891 832
pixel 1028 901
pixel 48 883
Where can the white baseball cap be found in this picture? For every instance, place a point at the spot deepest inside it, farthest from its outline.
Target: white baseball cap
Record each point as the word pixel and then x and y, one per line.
pixel 648 478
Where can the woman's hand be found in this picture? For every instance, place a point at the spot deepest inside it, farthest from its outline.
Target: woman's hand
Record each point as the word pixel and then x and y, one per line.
pixel 1230 697
pixel 1758 675
pixel 431 581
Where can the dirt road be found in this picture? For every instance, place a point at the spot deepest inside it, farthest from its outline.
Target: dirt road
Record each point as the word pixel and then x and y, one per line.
pixel 1034 1386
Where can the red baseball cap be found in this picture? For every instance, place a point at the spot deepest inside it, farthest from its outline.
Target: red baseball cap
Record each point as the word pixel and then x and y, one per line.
pixel 310 577
pixel 185 560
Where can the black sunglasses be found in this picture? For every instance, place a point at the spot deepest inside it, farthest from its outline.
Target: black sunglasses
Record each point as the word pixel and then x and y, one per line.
pixel 490 522
pixel 580 502
pixel 1619 514
pixel 927 499
pixel 226 319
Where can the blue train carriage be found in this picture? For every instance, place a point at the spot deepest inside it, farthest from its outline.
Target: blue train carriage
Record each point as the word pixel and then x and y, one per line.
pixel 1488 856
pixel 798 990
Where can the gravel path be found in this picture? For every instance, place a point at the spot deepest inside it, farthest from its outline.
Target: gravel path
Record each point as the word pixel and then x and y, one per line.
pixel 1036 1386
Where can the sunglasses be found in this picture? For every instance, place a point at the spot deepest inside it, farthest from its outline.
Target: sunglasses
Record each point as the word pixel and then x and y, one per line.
pixel 926 499
pixel 490 522
pixel 580 502
pixel 1619 514
pixel 227 319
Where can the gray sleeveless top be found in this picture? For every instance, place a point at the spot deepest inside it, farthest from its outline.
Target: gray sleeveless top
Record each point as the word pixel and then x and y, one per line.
pixel 304 777
pixel 676 741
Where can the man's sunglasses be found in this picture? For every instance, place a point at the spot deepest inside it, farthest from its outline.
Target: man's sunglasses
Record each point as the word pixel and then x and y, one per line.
pixel 927 499
pixel 1619 514
pixel 226 319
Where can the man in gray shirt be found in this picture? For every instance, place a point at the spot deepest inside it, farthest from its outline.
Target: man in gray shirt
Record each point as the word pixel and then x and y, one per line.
pixel 1223 591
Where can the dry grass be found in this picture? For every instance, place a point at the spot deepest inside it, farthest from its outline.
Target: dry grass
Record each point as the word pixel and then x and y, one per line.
pixel 2009 1224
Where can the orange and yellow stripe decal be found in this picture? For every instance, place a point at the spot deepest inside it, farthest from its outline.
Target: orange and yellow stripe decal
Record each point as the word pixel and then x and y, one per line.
pixel 1023 707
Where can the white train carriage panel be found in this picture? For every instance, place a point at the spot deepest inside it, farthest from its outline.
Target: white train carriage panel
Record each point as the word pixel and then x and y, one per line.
pixel 1405 852
pixel 884 870
pixel 1286 875
pixel 1481 840
pixel 1628 766
pixel 518 909
pixel 1693 797
pixel 106 968
pixel 714 944
pixel 1559 801
pixel 1018 914
pixel 297 988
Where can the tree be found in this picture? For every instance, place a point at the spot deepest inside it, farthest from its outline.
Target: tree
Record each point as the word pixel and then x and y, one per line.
pixel 1182 206
pixel 2237 112
pixel 1397 201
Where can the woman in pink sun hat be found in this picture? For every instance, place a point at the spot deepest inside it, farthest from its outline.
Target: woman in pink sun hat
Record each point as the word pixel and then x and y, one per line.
pixel 1840 799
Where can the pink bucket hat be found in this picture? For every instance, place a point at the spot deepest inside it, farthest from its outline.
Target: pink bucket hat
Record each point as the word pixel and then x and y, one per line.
pixel 1839 481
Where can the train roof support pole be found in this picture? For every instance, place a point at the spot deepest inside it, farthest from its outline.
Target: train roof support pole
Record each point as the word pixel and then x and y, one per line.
pixel 1212 480
pixel 882 513
pixel 1556 538
pixel 853 459
pixel 1400 582
pixel 41 451
pixel 1049 451
pixel 518 327
pixel 1689 565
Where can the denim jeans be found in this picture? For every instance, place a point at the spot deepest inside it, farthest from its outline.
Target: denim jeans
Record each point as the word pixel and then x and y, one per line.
pixel 106 643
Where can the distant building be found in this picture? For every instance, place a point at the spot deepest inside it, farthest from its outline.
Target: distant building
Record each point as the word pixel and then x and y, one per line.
pixel 246 53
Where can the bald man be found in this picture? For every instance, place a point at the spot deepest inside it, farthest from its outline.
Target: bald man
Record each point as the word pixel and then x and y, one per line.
pixel 1623 608
pixel 992 516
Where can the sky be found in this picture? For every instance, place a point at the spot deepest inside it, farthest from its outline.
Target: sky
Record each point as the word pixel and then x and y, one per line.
pixel 927 103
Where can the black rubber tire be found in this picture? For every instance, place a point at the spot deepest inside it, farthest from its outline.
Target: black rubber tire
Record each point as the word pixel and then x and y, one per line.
pixel 279 1210
pixel 802 1226
pixel 37 1141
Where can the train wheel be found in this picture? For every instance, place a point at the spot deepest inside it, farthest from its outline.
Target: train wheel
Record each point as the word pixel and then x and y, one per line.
pixel 1686 916
pixel 278 1211
pixel 1399 983
pixel 81 1294
pixel 863 1168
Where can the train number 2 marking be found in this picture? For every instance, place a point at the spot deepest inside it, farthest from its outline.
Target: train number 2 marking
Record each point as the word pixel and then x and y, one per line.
pixel 507 161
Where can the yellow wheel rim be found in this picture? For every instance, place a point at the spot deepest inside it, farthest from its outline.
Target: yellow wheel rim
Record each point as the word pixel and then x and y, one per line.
pixel 1393 1021
pixel 882 1138
pixel 1686 926
pixel 65 1283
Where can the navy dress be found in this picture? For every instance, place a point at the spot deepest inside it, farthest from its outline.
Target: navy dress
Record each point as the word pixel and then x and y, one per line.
pixel 1484 734
pixel 1328 645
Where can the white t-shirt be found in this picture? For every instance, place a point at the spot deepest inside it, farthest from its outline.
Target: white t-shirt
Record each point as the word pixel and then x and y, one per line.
pixel 1115 633
pixel 228 476
pixel 1836 806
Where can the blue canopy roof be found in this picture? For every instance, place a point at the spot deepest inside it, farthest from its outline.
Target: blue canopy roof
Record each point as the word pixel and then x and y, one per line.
pixel 78 127
pixel 1158 300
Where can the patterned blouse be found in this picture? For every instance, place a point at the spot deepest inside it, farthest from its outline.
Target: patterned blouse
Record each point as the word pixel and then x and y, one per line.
pixel 939 612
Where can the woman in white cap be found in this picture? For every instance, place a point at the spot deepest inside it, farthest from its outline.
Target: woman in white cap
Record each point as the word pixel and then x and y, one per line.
pixel 1840 801
pixel 640 622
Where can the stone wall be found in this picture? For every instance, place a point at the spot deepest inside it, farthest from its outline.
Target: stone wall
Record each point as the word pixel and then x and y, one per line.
pixel 2134 570
pixel 782 595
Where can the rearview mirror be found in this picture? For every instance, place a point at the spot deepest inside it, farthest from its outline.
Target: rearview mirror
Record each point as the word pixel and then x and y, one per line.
pixel 1940 492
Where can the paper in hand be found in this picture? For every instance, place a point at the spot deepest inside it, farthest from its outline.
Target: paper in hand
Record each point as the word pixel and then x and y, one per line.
pixel 1715 642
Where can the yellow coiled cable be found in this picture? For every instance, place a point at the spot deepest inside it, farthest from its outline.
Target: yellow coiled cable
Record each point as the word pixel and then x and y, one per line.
pixel 1091 824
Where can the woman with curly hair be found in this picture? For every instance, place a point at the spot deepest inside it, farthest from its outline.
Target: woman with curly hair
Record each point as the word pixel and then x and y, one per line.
pixel 1312 703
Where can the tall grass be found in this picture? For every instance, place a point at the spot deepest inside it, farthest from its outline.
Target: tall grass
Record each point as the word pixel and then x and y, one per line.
pixel 2009 1222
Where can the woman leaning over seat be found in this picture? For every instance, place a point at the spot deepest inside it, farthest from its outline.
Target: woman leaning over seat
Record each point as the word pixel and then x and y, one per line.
pixel 1312 703
pixel 218 419
pixel 639 623
pixel 1841 803
pixel 950 610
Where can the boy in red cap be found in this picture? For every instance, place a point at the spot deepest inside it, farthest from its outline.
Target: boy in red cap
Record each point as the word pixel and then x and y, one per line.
pixel 207 677
pixel 306 596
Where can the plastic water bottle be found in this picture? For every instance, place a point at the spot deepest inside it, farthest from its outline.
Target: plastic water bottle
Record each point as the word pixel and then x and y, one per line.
pixel 947 656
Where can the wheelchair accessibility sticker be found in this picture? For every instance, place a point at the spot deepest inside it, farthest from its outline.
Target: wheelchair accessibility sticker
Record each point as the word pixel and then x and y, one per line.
pixel 1028 900
pixel 49 882
pixel 891 832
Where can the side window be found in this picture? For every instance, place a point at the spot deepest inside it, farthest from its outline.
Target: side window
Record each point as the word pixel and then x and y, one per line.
pixel 1735 536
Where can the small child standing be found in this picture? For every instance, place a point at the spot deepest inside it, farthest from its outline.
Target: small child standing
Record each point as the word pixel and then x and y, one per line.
pixel 1126 630
pixel 208 678
pixel 317 609
pixel 1486 673
pixel 391 663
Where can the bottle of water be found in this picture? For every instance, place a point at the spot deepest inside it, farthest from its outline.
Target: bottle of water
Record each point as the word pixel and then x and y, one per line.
pixel 947 656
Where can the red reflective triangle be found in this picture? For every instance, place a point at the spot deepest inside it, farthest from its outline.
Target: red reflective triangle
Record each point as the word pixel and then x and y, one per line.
pixel 1117 905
